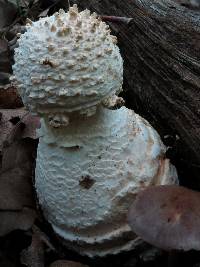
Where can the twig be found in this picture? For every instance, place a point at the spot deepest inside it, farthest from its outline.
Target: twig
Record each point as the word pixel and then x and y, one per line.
pixel 115 19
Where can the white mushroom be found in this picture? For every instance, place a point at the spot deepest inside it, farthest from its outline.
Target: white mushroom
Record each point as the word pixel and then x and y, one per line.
pixel 71 61
pixel 91 160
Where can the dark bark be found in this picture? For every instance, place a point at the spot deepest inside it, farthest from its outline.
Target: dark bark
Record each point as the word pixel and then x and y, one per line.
pixel 161 51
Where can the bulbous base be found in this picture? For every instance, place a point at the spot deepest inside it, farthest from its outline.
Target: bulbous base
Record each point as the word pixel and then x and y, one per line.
pixel 89 173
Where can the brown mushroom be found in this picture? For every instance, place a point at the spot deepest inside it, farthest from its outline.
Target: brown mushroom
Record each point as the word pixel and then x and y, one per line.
pixel 167 217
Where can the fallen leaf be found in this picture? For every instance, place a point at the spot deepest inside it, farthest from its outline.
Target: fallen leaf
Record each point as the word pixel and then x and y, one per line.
pixel 9 131
pixel 9 97
pixel 8 12
pixel 15 187
pixel 34 255
pixel 16 220
pixel 4 78
pixel 32 123
pixel 17 203
pixel 5 57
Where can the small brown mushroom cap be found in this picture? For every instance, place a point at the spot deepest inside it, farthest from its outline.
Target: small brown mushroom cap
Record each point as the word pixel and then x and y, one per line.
pixel 167 217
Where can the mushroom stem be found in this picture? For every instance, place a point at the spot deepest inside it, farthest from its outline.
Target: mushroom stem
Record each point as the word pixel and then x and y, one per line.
pixel 99 166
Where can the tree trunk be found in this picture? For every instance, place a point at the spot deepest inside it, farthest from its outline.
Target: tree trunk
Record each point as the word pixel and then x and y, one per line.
pixel 161 51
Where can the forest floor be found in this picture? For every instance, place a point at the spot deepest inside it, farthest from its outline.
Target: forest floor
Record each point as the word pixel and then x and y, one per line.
pixel 26 239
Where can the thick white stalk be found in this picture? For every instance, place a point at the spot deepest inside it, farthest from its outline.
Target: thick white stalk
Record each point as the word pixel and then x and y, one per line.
pixel 89 173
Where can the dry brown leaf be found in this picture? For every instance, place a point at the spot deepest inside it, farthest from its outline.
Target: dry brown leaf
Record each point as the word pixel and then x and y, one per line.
pixel 32 123
pixel 11 33
pixel 10 125
pixel 9 97
pixel 8 13
pixel 5 57
pixel 34 255
pixel 5 61
pixel 4 78
pixel 15 189
pixel 65 263
pixel 17 204
pixel 16 220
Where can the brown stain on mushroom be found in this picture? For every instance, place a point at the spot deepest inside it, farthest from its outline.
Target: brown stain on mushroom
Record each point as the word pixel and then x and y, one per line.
pixel 48 62
pixel 86 182
pixel 156 180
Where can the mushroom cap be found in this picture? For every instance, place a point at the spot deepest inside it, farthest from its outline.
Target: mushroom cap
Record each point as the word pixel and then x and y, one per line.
pixel 67 62
pixel 167 217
